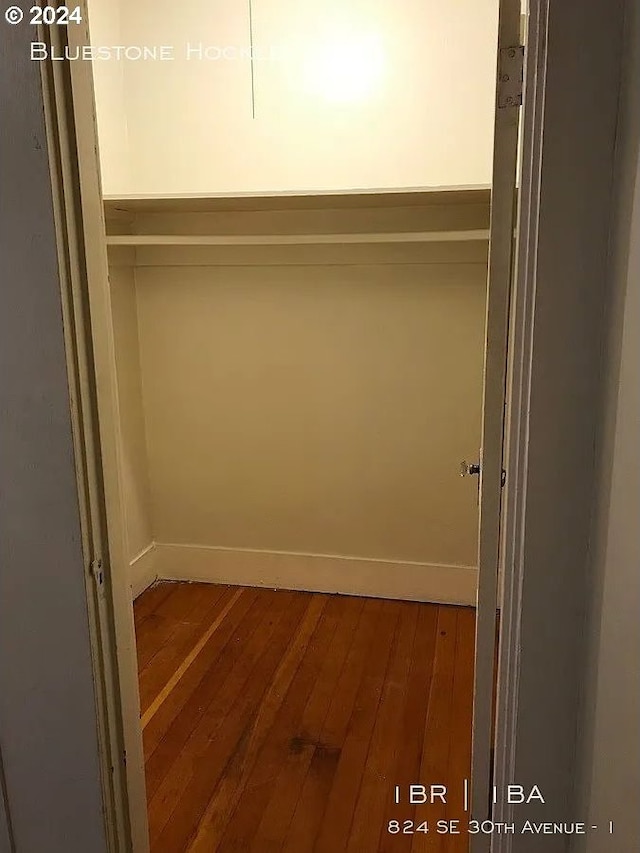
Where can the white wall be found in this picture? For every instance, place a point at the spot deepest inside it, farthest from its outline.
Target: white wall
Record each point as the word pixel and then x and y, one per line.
pixel 315 409
pixel 347 95
pixel 610 735
pixel 109 84
pixel 135 476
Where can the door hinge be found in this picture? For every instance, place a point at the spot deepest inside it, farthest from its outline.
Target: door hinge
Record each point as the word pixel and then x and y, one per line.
pixel 511 71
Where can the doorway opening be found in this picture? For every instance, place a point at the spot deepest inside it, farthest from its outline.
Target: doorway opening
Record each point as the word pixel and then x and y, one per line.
pixel 299 316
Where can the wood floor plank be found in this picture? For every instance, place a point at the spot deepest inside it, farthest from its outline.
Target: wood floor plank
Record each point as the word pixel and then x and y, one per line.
pixel 307 823
pixel 459 767
pixel 200 680
pixel 305 826
pixel 336 723
pixel 377 785
pixel 249 810
pixel 223 730
pixel 215 692
pixel 437 734
pixel 148 601
pixel 281 721
pixel 233 784
pixel 411 727
pixel 158 627
pixel 179 756
pixel 338 814
pixel 207 603
pixel 306 743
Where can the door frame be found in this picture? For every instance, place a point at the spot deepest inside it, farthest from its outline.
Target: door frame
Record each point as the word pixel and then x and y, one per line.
pixel 115 663
pixel 500 279
pixel 71 130
pixel 519 370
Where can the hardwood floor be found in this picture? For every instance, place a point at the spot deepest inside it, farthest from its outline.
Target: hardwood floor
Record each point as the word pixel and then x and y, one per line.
pixel 281 721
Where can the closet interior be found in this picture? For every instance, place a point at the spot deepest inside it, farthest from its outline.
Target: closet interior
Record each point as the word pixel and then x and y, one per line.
pixel 299 378
pixel 297 244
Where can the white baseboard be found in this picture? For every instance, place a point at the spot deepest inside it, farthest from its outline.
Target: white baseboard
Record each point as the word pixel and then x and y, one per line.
pixel 318 573
pixel 142 569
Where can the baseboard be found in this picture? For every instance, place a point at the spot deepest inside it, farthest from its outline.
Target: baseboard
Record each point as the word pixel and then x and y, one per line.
pixel 142 569
pixel 318 573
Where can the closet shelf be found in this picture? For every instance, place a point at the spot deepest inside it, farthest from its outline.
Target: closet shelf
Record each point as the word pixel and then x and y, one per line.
pixel 477 235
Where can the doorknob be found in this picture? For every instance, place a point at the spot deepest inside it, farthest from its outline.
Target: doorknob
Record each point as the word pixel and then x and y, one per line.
pixel 469 469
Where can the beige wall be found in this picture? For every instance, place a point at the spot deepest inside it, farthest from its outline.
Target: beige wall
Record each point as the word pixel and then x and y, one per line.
pixel 319 409
pixel 132 430
pixel 353 95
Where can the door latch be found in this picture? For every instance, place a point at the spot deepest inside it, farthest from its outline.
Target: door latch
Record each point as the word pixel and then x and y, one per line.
pixel 469 469
pixel 96 571
pixel 472 469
